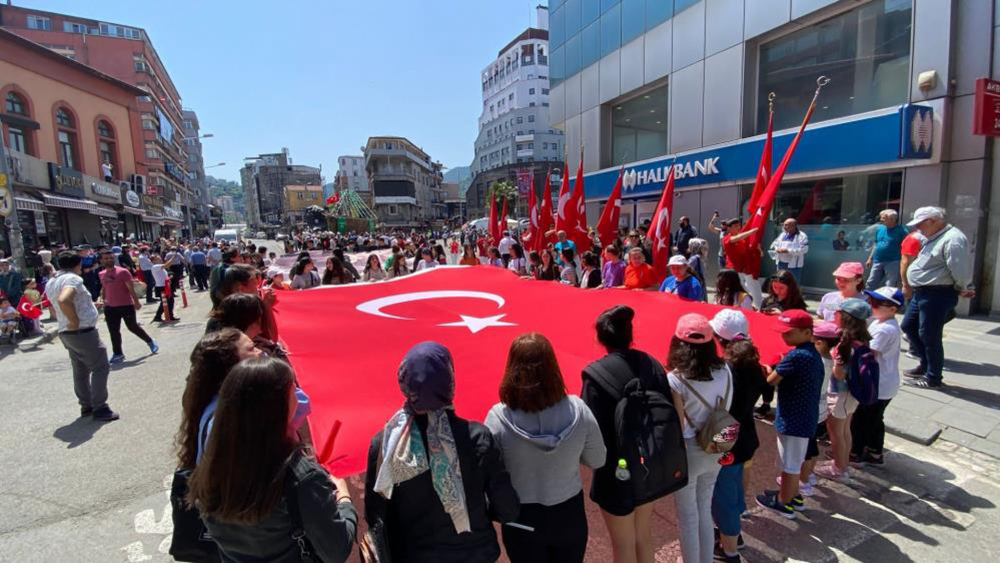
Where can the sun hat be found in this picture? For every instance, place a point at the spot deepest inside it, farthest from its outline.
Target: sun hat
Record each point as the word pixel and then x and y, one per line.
pixel 677 260
pixel 849 270
pixel 694 329
pixel 924 213
pixel 856 308
pixel 826 329
pixel 891 294
pixel 729 324
pixel 793 319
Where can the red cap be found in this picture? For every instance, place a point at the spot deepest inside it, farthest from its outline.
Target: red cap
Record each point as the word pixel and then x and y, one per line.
pixel 694 329
pixel 795 318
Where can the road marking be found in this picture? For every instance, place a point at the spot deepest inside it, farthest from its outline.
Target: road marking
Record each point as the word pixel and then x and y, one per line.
pixel 135 552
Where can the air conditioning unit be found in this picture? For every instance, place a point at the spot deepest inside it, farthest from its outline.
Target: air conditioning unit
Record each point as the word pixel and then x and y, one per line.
pixel 138 183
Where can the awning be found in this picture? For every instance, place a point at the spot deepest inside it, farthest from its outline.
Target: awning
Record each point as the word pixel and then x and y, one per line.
pixel 105 212
pixel 134 210
pixel 25 203
pixel 70 203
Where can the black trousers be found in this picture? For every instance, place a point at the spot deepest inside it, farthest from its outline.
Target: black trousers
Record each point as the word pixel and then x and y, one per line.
pixel 767 395
pixel 114 317
pixel 170 304
pixel 560 534
pixel 201 272
pixel 868 428
pixel 147 278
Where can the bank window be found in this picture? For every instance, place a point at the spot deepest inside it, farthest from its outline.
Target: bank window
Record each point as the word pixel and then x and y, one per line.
pixel 611 30
pixel 658 11
pixel 639 127
pixel 573 19
pixel 865 52
pixel 839 215
pixel 590 44
pixel 633 19
pixel 573 56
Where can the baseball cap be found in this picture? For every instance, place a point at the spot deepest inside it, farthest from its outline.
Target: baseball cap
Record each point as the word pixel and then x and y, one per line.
pixel 730 323
pixel 694 329
pixel 826 329
pixel 856 308
pixel 677 260
pixel 272 272
pixel 891 294
pixel 849 270
pixel 794 318
pixel 924 213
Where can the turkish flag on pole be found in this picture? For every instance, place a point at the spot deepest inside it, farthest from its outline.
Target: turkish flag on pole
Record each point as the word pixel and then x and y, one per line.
pixel 770 194
pixel 659 229
pixel 476 313
pixel 28 309
pixel 764 171
pixel 502 224
pixel 607 227
pixel 533 237
pixel 566 210
pixel 578 234
pixel 545 219
pixel 494 235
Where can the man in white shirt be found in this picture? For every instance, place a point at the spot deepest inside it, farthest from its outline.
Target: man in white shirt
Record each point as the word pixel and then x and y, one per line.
pixel 146 265
pixel 77 318
pixel 504 247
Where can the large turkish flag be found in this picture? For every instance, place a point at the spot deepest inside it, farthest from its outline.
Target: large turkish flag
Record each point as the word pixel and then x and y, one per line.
pixel 346 342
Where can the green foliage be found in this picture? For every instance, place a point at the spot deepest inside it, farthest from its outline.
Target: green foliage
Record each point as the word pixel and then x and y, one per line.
pixel 504 190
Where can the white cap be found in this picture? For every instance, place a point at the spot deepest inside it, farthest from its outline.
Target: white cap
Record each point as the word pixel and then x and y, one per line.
pixel 273 271
pixel 677 260
pixel 924 213
pixel 730 323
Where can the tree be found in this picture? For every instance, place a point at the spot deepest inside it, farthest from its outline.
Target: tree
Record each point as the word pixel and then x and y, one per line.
pixel 504 190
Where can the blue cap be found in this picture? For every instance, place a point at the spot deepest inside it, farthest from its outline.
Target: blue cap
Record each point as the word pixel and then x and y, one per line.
pixel 891 294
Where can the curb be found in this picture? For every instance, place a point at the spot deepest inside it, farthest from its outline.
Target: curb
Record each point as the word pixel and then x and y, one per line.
pixel 912 427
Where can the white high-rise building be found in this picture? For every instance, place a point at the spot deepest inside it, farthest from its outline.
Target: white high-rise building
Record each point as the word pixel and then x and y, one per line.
pixel 351 174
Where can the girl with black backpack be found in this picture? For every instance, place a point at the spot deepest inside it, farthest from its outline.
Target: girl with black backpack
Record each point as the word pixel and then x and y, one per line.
pixel 702 384
pixel 628 394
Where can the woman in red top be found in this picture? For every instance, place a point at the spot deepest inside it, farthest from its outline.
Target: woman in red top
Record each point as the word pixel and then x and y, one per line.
pixel 639 274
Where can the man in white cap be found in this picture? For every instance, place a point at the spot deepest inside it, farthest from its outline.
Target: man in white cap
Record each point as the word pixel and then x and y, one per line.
pixel 681 283
pixel 940 275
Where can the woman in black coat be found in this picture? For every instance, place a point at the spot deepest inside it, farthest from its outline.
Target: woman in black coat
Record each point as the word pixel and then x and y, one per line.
pixel 436 482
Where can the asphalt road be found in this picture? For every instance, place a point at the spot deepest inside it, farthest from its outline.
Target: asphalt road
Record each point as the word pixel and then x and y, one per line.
pixel 78 491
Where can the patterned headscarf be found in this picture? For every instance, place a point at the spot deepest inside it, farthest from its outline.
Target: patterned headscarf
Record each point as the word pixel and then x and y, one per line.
pixel 427 379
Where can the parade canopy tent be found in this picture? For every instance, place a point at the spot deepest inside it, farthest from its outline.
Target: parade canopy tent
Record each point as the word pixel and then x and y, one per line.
pixel 346 342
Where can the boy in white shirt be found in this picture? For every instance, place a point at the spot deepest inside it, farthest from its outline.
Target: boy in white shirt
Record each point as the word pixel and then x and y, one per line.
pixel 868 426
pixel 8 319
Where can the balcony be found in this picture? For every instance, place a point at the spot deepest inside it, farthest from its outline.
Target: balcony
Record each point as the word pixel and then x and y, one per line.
pixel 527 61
pixel 524 138
pixel 525 153
pixel 28 170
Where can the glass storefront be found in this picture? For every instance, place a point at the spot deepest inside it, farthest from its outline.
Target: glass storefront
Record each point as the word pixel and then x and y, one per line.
pixel 639 127
pixel 840 216
pixel 865 52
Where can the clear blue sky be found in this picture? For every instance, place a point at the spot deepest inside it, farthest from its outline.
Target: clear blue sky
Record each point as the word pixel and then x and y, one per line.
pixel 320 77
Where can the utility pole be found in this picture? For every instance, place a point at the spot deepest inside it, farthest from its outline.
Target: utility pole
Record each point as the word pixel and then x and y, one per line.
pixel 9 207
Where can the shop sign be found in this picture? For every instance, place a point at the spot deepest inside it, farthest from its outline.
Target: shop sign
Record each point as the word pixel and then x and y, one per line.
pixel 39 223
pixel 986 109
pixel 131 198
pixel 6 202
pixel 153 205
pixel 66 181
pixel 173 213
pixel 691 169
pixel 106 191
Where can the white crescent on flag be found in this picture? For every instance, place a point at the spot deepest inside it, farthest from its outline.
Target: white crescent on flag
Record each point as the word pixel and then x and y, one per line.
pixel 662 229
pixel 534 217
pixel 563 201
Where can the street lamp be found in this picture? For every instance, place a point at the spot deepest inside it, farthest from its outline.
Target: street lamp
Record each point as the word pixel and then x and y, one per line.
pixel 205 136
pixel 215 165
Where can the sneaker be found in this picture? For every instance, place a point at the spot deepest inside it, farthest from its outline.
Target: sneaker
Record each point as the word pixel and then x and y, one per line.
pixel 117 359
pixel 720 555
pixel 105 414
pixel 830 471
pixel 798 503
pixel 174 320
pixel 813 480
pixel 806 490
pixel 86 411
pixel 740 544
pixel 922 383
pixel 154 347
pixel 915 372
pixel 911 355
pixel 855 459
pixel 761 411
pixel 872 459
pixel 770 500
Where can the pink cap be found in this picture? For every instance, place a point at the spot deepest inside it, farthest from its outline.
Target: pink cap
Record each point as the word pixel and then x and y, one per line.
pixel 849 270
pixel 826 329
pixel 694 329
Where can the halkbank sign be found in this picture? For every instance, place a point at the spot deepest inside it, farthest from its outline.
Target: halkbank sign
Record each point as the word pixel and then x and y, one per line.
pixel 883 137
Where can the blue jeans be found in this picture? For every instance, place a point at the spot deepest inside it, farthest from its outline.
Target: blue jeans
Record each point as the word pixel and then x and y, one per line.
pixel 883 274
pixel 926 315
pixel 728 499
pixel 796 272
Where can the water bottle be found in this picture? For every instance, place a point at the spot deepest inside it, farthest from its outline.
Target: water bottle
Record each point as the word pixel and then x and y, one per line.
pixel 622 473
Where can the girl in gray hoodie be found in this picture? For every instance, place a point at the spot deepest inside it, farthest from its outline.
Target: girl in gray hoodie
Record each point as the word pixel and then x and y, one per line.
pixel 545 436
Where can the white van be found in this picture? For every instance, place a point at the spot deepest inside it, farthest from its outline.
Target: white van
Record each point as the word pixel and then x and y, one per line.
pixel 231 236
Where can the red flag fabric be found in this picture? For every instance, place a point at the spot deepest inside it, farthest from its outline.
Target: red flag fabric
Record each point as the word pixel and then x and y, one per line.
pixel 494 235
pixel 28 309
pixel 764 171
pixel 545 220
pixel 566 210
pixel 607 227
pixel 533 216
pixel 331 200
pixel 578 228
pixel 476 313
pixel 45 301
pixel 659 229
pixel 502 223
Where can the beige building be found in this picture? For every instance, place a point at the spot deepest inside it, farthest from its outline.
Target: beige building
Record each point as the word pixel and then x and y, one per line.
pixel 298 198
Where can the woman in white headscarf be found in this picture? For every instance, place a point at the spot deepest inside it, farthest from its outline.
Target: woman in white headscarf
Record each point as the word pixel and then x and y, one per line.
pixel 436 482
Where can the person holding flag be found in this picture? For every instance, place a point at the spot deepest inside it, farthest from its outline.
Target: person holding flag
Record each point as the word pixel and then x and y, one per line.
pixel 743 258
pixel 9 320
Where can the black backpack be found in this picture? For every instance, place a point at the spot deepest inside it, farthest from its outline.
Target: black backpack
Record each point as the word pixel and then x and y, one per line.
pixel 648 429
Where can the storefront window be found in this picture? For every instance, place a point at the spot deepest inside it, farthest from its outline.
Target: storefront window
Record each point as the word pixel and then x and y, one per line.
pixel 639 127
pixel 865 52
pixel 840 216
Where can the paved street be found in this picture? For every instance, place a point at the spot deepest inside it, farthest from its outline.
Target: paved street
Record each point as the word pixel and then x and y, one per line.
pixel 75 490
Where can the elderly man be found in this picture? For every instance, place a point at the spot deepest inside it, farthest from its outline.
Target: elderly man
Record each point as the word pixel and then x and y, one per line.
pixel 685 232
pixel 940 275
pixel 883 262
pixel 790 248
pixel 563 243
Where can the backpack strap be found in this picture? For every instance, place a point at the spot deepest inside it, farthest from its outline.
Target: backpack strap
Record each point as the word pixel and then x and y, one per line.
pixel 610 378
pixel 292 501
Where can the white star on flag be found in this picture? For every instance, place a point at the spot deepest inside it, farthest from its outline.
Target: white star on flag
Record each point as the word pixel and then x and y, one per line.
pixel 476 324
